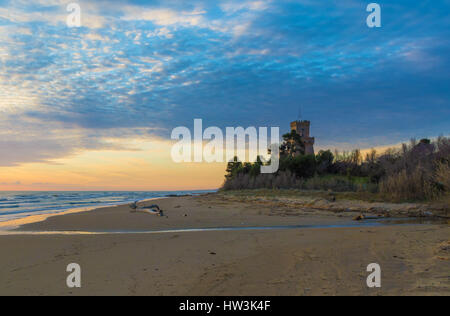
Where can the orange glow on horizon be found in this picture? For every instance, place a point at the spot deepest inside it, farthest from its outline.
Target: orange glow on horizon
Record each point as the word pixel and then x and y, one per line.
pixel 149 169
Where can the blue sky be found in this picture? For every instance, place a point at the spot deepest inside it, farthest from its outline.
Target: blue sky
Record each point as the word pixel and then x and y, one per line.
pixel 137 69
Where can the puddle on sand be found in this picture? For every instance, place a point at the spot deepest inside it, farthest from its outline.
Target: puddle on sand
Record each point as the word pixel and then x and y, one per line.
pixel 362 224
pixel 414 220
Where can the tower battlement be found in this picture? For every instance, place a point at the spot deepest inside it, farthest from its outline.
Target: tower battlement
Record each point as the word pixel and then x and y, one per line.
pixel 303 129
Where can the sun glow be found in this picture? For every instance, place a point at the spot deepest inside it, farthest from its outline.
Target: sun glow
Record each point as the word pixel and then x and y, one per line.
pixel 150 168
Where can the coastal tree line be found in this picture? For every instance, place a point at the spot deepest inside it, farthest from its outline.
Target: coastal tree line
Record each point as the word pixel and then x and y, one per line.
pixel 419 170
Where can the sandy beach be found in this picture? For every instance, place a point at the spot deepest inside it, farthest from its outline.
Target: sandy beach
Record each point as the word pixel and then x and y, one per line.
pixel 125 260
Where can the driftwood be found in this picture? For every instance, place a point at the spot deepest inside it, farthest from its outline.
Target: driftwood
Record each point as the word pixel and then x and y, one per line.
pixel 133 206
pixel 154 206
pixel 152 209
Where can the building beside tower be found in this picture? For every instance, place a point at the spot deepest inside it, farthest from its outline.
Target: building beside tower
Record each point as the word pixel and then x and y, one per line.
pixel 303 129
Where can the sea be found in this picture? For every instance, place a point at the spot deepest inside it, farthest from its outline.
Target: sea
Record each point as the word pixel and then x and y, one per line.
pixel 16 205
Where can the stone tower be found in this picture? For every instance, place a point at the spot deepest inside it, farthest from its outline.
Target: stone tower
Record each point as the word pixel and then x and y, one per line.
pixel 302 128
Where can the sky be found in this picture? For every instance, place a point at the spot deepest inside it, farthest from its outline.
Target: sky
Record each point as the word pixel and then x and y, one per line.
pixel 93 107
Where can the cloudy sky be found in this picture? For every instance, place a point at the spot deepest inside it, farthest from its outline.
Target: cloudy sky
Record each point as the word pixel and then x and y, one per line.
pixel 93 107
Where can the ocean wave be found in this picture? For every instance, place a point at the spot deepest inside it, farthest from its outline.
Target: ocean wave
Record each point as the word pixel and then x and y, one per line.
pixel 28 202
pixel 10 206
pixel 8 203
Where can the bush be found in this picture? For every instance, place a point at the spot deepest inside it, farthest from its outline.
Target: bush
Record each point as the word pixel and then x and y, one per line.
pixel 442 175
pixel 303 166
pixel 404 186
pixel 280 180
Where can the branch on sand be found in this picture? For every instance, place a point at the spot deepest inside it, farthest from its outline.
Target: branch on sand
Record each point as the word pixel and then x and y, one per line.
pixel 152 209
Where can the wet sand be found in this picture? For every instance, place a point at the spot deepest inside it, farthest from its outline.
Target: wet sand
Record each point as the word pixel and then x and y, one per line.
pixel 415 259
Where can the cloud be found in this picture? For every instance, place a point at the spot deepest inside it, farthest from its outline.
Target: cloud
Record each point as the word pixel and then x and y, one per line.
pixel 138 70
pixel 162 17
pixel 236 6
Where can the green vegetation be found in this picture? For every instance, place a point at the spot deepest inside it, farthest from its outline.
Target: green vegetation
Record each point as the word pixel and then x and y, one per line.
pixel 418 171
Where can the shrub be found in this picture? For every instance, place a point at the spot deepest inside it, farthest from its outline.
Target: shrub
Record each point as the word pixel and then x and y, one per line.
pixel 404 186
pixel 442 175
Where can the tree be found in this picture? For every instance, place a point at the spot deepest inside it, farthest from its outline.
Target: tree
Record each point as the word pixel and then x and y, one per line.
pixel 324 161
pixel 256 167
pixel 303 166
pixel 292 145
pixel 233 168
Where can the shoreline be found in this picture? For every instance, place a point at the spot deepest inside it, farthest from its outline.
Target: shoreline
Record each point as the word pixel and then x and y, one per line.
pixel 15 224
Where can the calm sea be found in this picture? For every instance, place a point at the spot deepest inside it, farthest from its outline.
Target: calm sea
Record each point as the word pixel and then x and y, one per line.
pixel 14 205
